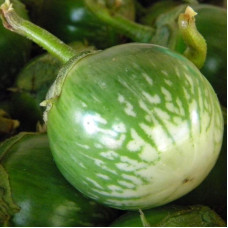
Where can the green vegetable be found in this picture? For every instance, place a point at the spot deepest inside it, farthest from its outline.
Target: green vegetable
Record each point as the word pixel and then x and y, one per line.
pixel 127 124
pixel 34 193
pixel 172 216
pixel 133 126
pixel 164 31
pixel 70 20
pixel 14 50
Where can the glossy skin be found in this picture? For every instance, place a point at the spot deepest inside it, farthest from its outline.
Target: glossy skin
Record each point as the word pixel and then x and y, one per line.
pixel 43 195
pixel 14 50
pixel 214 30
pixel 134 134
pixel 71 21
pixel 172 216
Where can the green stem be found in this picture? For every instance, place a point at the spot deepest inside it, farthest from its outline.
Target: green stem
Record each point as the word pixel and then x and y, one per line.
pixel 196 50
pixel 132 30
pixel 143 219
pixel 33 32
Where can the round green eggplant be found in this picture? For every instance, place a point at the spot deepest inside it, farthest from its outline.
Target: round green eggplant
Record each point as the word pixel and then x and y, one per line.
pixel 70 20
pixel 172 216
pixel 133 126
pixel 36 194
pixel 14 50
pixel 213 29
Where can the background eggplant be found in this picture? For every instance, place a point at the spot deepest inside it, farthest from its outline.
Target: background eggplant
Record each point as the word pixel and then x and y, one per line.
pixel 39 195
pixel 70 20
pixel 171 216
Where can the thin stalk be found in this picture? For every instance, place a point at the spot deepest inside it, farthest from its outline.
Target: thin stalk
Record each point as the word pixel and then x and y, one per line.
pixel 196 50
pixel 143 219
pixel 12 21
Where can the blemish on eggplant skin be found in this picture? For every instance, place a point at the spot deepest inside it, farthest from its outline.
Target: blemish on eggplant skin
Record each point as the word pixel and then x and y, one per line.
pixel 187 180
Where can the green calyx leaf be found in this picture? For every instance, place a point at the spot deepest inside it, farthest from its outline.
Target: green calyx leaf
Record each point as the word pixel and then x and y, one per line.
pixel 7 125
pixel 195 216
pixel 7 207
pixel 55 90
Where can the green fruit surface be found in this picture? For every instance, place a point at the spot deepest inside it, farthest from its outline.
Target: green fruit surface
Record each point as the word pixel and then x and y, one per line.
pixel 14 50
pixel 172 216
pixel 44 197
pixel 70 20
pixel 134 126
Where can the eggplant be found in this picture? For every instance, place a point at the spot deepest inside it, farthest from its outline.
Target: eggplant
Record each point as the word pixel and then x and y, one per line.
pixel 35 194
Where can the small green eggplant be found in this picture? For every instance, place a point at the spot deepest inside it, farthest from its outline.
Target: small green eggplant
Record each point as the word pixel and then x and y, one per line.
pixel 34 193
pixel 171 216
pixel 70 20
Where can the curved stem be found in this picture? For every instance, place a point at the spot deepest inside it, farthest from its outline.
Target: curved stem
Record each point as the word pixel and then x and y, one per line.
pixel 132 30
pixel 196 45
pixel 43 38
pixel 143 219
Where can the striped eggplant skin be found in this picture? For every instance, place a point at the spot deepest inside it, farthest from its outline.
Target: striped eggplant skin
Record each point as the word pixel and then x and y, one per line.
pixel 44 197
pixel 134 126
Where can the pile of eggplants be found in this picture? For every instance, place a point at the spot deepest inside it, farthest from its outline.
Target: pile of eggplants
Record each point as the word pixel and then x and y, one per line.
pixel 132 134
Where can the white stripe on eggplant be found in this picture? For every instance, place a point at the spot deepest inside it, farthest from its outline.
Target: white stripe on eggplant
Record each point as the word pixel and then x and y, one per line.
pixel 165 72
pixel 111 142
pixel 148 78
pixel 168 82
pixel 102 176
pixel 111 155
pixel 152 99
pixel 167 94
